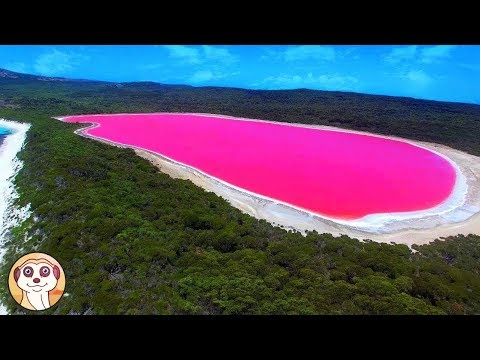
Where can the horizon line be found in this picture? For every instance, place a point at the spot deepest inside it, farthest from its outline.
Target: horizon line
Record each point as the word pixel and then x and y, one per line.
pixel 236 87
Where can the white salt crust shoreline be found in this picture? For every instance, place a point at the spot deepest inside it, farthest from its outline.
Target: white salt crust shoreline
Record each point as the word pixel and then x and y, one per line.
pixel 10 216
pixel 458 214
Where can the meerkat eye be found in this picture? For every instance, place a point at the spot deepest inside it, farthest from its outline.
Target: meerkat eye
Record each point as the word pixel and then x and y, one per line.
pixel 28 271
pixel 44 271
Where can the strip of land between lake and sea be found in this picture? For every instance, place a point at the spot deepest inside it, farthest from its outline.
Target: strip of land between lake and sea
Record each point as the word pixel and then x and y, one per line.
pixel 10 165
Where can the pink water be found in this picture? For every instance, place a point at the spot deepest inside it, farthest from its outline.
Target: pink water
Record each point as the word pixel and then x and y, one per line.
pixel 331 173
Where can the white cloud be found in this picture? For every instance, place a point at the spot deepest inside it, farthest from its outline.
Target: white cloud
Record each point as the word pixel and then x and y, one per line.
pixel 420 77
pixel 349 53
pixel 282 80
pixel 301 52
pixel 425 55
pixel 219 54
pixel 315 52
pixel 270 54
pixel 325 82
pixel 399 54
pixel 57 62
pixel 197 55
pixel 185 54
pixel 203 76
pixel 337 81
pixel 16 66
pixel 436 53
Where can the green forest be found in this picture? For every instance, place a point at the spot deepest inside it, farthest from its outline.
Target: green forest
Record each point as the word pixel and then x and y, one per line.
pixel 132 240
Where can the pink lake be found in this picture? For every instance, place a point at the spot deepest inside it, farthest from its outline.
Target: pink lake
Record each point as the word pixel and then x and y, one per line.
pixel 331 173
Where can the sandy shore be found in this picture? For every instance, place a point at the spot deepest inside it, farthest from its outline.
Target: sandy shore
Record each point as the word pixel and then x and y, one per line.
pixel 10 214
pixel 464 219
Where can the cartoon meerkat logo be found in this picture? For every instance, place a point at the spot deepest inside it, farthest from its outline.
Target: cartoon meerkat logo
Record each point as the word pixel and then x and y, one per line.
pixel 38 281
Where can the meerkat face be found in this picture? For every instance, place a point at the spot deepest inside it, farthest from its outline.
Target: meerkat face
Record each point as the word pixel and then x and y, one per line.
pixel 39 276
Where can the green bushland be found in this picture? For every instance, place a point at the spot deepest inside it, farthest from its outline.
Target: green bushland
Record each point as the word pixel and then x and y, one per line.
pixel 135 241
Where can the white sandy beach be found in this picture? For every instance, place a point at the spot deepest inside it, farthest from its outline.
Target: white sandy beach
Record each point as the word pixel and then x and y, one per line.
pixel 459 214
pixel 9 167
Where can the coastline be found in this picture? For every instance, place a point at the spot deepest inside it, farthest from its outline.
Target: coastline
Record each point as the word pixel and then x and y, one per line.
pixel 458 214
pixel 9 167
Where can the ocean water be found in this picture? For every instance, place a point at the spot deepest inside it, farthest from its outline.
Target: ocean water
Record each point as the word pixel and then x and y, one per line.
pixel 3 134
pixel 4 131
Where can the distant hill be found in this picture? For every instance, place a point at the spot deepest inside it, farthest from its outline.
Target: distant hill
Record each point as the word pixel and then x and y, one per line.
pixel 8 74
pixel 453 124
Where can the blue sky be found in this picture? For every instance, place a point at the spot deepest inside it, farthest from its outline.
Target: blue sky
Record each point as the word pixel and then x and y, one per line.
pixel 440 72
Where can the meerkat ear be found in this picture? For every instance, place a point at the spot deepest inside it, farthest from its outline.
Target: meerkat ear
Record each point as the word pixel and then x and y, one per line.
pixel 56 271
pixel 16 274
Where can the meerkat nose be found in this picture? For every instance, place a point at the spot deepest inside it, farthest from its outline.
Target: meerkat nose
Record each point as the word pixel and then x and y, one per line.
pixel 36 280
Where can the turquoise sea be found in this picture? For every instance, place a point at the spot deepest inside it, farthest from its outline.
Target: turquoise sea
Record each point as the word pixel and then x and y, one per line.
pixel 3 133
